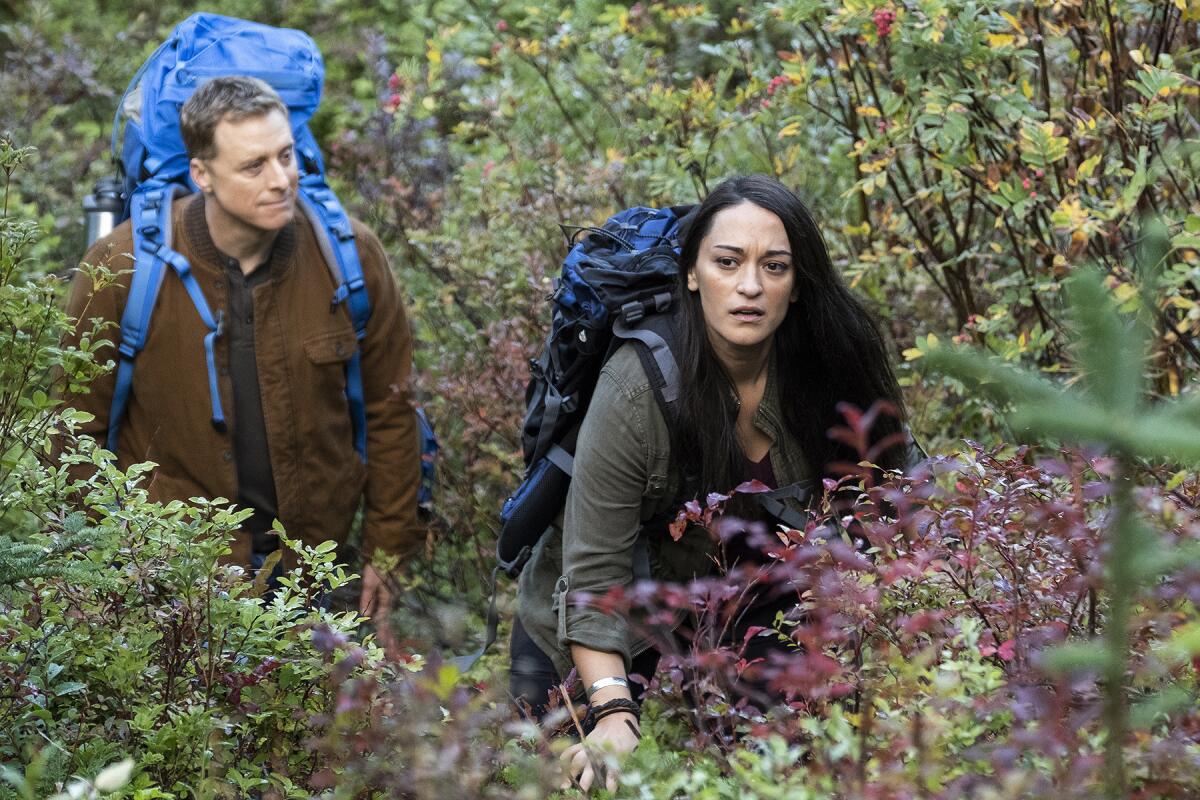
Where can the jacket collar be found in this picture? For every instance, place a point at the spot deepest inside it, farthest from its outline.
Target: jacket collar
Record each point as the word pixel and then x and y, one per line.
pixel 788 462
pixel 204 253
pixel 768 416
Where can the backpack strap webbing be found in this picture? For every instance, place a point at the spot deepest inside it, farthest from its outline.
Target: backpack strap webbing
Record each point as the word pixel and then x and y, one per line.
pixel 773 503
pixel 655 337
pixel 335 237
pixel 151 220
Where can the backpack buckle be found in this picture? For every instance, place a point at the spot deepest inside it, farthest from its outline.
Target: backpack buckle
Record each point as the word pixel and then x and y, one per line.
pixel 633 311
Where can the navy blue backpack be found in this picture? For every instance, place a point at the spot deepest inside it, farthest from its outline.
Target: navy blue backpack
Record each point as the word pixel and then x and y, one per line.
pixel 155 166
pixel 618 283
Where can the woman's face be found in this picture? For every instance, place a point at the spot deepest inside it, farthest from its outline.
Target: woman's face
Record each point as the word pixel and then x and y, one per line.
pixel 745 277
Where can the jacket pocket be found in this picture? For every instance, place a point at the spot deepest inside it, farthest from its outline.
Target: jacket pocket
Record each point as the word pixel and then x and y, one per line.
pixel 334 347
pixel 322 412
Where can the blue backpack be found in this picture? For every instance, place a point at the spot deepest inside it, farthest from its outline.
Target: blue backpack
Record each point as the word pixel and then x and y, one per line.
pixel 617 284
pixel 155 166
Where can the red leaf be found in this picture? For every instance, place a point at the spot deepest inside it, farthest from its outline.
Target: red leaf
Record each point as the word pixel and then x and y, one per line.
pixel 752 631
pixel 715 499
pixel 677 527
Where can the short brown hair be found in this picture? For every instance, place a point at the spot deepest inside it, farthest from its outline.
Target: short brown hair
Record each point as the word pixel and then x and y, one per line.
pixel 235 98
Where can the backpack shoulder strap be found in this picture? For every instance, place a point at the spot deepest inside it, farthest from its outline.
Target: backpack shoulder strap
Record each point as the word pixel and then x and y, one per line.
pixel 657 346
pixel 152 224
pixel 335 237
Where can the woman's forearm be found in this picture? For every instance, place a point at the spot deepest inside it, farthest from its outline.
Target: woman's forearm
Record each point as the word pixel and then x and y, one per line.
pixel 592 665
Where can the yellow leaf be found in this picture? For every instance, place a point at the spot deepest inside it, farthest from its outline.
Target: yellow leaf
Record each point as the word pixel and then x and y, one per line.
pixel 429 104
pixel 1124 291
pixel 1088 167
pixel 435 55
pixel 997 40
pixel 791 129
pixel 1137 57
pixel 1013 21
pixel 1185 303
pixel 912 354
pixel 868 111
pixel 1027 89
pixel 931 340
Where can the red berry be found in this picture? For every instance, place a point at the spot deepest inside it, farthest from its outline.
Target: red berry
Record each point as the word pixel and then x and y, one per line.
pixel 883 19
pixel 502 26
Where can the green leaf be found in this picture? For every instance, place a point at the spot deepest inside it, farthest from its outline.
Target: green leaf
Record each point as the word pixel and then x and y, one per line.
pixel 1160 706
pixel 70 687
pixel 996 377
pixel 1068 419
pixel 1183 646
pixel 1110 350
pixel 1071 659
pixel 1164 436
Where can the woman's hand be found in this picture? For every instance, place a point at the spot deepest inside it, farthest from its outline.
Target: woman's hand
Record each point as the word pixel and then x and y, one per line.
pixel 617 734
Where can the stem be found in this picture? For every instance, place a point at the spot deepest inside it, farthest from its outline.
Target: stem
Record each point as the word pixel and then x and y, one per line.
pixel 1122 583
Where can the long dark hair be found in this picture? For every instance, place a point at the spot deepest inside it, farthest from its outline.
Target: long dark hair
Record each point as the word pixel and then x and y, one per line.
pixel 829 349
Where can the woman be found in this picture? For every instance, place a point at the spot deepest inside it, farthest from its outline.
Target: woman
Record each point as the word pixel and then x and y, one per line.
pixel 770 342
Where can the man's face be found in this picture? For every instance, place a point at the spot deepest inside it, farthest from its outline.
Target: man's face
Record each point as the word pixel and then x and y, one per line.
pixel 252 176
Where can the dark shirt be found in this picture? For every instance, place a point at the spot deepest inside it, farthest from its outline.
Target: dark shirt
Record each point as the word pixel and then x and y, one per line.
pixel 737 549
pixel 761 471
pixel 256 483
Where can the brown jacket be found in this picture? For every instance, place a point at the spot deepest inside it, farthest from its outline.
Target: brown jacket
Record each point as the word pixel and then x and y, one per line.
pixel 301 346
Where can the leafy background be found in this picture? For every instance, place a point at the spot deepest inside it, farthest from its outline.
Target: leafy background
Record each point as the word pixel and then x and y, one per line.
pixel 967 161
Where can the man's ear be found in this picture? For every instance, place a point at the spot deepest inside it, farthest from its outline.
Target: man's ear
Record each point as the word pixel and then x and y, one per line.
pixel 199 174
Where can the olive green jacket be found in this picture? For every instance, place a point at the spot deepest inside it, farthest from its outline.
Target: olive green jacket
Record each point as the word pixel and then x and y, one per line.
pixel 623 477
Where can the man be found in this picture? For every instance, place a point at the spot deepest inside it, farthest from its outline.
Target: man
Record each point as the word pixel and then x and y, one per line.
pixel 287 449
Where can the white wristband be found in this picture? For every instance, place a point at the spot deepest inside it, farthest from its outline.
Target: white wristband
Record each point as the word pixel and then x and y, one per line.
pixel 604 683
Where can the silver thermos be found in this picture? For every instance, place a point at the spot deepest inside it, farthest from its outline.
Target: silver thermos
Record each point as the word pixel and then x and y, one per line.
pixel 102 208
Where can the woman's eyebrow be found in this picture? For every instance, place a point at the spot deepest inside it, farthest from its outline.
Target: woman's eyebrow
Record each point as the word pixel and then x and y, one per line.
pixel 740 251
